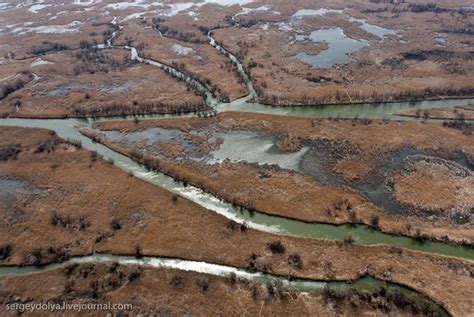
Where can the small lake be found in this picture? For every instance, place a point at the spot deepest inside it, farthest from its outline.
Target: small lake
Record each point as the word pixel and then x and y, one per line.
pixel 339 48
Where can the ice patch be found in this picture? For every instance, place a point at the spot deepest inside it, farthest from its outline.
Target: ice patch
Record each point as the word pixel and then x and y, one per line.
pixel 182 50
pixel 283 26
pixel 265 8
pixel 86 2
pixel 373 29
pixel 39 62
pixel 176 8
pixel 311 12
pixel 37 7
pixel 4 6
pixel 126 5
pixel 68 28
pixel 228 2
pixel 133 16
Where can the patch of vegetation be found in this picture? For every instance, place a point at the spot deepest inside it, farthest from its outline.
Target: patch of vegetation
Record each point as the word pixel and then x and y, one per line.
pixel 295 261
pixel 251 262
pixel 42 255
pixel 203 284
pixel 9 151
pixel 165 30
pixel 91 60
pixel 11 87
pixel 276 247
pixel 138 109
pixel 5 251
pixel 47 47
pixel 115 224
pixel 134 273
pixel 425 7
pixel 48 146
pixel 138 251
pixel 75 143
pixel 384 299
pixel 69 223
pixel 348 239
pixel 177 281
pixel 375 221
pixel 460 123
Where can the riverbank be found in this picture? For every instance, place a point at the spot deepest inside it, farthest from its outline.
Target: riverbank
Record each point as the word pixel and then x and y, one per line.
pixel 461 112
pixel 182 292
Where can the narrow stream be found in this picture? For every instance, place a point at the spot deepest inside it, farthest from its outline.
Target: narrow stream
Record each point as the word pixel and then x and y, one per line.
pixel 360 110
pixel 240 68
pixel 362 234
pixel 365 283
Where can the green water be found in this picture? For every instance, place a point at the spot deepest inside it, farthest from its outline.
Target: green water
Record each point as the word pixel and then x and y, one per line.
pixel 366 283
pixel 364 110
pixel 361 234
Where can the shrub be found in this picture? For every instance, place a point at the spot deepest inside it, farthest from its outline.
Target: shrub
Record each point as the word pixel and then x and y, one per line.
pixel 75 143
pixel 177 281
pixel 47 146
pixel 138 251
pixel 203 284
pixel 375 221
pixel 232 225
pixel 9 88
pixel 276 247
pixel 255 291
pixel 5 251
pixel 9 151
pixel 348 239
pixel 251 260
pixel 134 273
pixel 113 267
pixel 46 47
pixel 69 269
pixel 295 261
pixel 232 278
pixel 115 224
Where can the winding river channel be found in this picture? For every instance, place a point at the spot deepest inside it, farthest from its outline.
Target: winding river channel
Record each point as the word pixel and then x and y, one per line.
pixel 68 129
pixel 366 283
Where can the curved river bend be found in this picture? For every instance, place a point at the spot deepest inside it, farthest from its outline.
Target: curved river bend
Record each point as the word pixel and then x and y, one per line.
pixel 366 283
pixel 65 128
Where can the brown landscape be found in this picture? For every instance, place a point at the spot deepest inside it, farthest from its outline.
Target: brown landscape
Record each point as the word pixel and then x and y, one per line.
pixel 193 293
pixel 237 157
pixel 294 194
pixel 126 226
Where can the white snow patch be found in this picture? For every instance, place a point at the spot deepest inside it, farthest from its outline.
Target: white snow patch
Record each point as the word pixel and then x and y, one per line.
pixel 39 62
pixel 37 7
pixel 86 2
pixel 311 12
pixel 68 28
pixel 182 50
pixel 264 8
pixel 126 5
pixel 4 6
